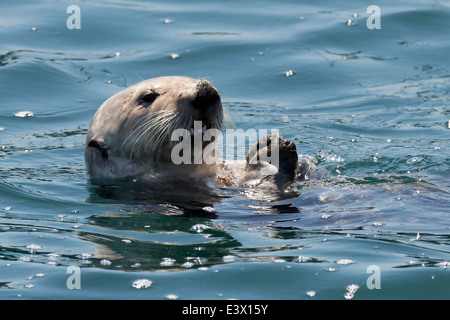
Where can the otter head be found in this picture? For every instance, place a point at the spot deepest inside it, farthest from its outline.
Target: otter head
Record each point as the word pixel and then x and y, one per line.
pixel 131 132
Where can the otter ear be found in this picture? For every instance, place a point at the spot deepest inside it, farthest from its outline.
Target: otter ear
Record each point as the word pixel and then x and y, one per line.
pixel 99 144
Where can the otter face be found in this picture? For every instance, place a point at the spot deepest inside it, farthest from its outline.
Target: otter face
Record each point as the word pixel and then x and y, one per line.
pixel 131 132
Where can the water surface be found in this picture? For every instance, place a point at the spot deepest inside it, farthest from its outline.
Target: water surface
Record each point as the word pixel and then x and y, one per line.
pixel 369 107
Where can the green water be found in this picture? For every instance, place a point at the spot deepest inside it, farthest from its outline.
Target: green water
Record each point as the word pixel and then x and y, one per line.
pixel 369 107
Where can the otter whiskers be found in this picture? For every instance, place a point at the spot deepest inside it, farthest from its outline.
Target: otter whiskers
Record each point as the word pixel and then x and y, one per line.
pixel 151 128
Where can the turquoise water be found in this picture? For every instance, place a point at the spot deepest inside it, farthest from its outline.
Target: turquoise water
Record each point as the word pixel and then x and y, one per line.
pixel 369 107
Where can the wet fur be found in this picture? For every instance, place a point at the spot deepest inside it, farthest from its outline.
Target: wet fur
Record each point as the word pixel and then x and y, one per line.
pixel 130 136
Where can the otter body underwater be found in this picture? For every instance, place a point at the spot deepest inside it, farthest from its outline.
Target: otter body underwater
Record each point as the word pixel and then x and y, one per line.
pixel 131 135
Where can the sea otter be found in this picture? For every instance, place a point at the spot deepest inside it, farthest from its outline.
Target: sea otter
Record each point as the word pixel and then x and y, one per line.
pixel 156 129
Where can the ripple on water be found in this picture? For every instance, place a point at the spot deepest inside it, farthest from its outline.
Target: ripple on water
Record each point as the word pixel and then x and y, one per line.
pixel 379 128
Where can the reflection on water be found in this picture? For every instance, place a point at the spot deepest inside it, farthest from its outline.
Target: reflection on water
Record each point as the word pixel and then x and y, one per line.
pixel 147 234
pixel 155 241
pixel 191 194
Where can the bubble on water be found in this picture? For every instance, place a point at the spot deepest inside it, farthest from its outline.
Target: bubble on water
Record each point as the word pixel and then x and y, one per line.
pixel 351 290
pixel 209 209
pixel 199 227
pixel 29 286
pixel 105 262
pixel 325 216
pixel 197 260
pixel 443 264
pixel 53 256
pixel 126 241
pixel 86 255
pixel 377 224
pixel 187 264
pixel 172 297
pixel 167 262
pixel 329 157
pixel 414 160
pixel 33 247
pixel 345 261
pixel 24 114
pixel 330 269
pixel 174 56
pixel 228 258
pixel 417 237
pixel 303 259
pixel 289 73
pixel 348 295
pixel 310 293
pixel 40 275
pixel 142 284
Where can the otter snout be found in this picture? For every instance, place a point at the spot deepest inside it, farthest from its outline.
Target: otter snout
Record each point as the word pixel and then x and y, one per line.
pixel 206 96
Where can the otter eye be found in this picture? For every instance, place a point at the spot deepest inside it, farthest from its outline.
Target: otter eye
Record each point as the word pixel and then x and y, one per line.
pixel 148 98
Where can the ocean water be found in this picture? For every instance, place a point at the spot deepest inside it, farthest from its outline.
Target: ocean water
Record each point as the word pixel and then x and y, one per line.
pixel 370 107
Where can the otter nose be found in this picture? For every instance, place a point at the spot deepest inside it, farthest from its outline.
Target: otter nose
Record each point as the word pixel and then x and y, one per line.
pixel 206 95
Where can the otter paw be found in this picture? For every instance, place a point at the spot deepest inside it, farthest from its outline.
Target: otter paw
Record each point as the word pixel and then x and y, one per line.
pixel 275 150
pixel 288 156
